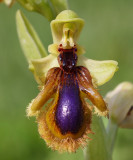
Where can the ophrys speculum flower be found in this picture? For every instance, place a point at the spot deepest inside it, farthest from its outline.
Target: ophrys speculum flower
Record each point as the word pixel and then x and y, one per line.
pixel 68 79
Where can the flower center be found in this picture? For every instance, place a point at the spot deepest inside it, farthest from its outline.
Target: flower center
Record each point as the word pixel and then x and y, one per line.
pixel 67 59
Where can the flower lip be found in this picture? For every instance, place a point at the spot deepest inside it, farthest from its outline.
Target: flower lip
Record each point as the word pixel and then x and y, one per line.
pixel 65 123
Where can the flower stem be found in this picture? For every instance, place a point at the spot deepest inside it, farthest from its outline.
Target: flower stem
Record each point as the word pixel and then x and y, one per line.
pixel 49 9
pixel 112 129
pixel 59 5
pixel 97 147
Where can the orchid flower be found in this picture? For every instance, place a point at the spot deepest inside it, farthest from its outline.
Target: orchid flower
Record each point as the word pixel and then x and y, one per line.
pixel 67 79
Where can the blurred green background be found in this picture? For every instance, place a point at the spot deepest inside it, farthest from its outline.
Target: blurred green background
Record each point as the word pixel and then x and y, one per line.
pixel 108 34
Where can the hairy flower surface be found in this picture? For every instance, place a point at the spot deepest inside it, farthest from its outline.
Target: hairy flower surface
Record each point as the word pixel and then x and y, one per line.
pixel 67 79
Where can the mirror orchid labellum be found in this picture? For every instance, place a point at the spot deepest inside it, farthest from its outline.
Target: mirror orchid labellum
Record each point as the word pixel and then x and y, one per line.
pixel 68 79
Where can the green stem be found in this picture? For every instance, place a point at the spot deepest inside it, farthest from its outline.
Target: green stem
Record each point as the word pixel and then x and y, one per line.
pixel 49 9
pixel 43 7
pixel 97 147
pixel 59 5
pixel 112 129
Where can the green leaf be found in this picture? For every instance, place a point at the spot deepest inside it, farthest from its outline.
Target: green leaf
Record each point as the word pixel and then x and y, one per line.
pixel 29 40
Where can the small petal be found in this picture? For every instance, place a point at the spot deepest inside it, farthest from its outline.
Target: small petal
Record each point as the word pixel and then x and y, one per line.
pixel 99 113
pixel 101 71
pixel 120 102
pixel 86 87
pixel 46 93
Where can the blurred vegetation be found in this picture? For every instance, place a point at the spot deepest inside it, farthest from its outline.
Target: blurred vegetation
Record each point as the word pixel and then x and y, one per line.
pixel 108 34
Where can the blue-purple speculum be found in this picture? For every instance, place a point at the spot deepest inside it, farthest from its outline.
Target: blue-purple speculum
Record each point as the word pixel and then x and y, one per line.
pixel 65 121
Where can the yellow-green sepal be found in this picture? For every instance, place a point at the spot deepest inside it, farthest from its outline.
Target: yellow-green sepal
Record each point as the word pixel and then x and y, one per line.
pixel 101 71
pixel 74 24
pixel 42 65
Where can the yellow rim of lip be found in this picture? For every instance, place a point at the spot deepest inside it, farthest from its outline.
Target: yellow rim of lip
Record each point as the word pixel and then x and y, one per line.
pixel 50 120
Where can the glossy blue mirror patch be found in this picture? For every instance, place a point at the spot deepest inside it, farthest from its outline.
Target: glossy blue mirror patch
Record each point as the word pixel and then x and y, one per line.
pixel 69 114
